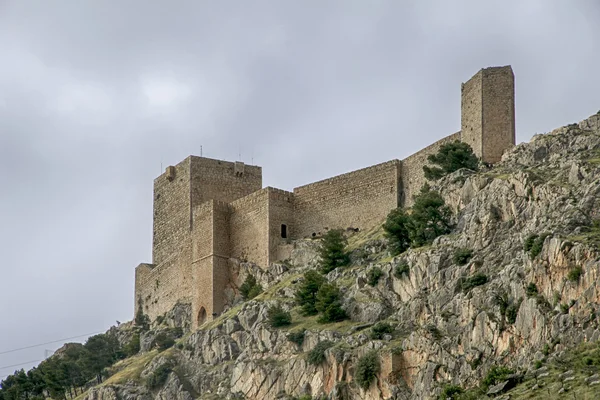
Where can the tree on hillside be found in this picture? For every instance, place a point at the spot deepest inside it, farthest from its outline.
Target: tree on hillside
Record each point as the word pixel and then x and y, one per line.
pixel 306 295
pixel 429 218
pixel 450 157
pixel 329 304
pixel 396 230
pixel 332 251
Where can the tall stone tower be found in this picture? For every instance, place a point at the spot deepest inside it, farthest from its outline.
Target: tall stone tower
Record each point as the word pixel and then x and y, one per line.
pixel 488 112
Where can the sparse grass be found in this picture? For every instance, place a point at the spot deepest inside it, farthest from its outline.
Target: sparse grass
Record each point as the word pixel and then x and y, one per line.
pixel 311 323
pixel 361 238
pixel 131 368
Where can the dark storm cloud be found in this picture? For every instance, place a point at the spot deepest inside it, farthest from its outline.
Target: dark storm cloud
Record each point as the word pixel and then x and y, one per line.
pixel 96 96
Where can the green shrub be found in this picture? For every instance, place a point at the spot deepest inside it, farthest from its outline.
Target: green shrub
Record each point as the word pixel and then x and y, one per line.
pixel 462 256
pixel 564 308
pixel 396 230
pixel 328 303
pixel 538 364
pixel 496 375
pixel 160 319
pixel 529 242
pixel 429 218
pixel 317 355
pixel 531 290
pixel 278 316
pixel 297 337
pixel 512 311
pixel 133 346
pixel 474 281
pixel 332 251
pixel 373 276
pixel 449 158
pixel 367 368
pixel 451 392
pixel 538 245
pixel 250 288
pixel 158 377
pixel 306 295
pixel 141 320
pixel 176 332
pixel 575 274
pixel 380 329
pixel 401 270
pixel 163 341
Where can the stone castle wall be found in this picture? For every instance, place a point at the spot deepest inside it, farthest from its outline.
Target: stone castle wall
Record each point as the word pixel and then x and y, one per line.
pixel 498 112
pixel 249 227
pixel 207 211
pixel 413 177
pixel 358 199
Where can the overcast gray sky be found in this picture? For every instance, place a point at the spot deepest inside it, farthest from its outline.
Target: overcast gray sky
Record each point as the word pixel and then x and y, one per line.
pixel 96 95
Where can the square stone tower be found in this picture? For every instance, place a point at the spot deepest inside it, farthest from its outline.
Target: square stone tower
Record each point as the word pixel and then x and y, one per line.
pixel 488 112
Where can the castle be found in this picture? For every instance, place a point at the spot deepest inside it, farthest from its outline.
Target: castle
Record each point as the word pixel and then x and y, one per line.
pixel 207 211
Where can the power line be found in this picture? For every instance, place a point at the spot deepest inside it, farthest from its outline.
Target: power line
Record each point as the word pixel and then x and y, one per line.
pixel 16 365
pixel 42 344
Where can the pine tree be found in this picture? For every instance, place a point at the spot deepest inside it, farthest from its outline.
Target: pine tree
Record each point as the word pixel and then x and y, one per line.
pixel 332 251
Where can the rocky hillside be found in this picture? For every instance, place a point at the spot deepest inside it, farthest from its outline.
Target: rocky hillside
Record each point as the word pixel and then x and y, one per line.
pixel 506 300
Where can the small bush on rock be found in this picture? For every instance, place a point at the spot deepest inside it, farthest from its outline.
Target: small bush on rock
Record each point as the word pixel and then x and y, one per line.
pixel 158 377
pixel 451 392
pixel 496 375
pixel 401 270
pixel 531 290
pixel 250 288
pixel 462 256
pixel 474 281
pixel 332 251
pixel 297 337
pixel 575 274
pixel 133 347
pixel 373 276
pixel 163 341
pixel 529 242
pixel 278 317
pixel 317 355
pixel 380 329
pixel 367 368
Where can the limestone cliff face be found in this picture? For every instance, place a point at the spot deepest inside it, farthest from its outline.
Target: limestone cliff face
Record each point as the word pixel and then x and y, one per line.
pixel 445 330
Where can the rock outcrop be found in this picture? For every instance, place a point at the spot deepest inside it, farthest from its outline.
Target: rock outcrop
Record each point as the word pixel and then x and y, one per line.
pixel 448 327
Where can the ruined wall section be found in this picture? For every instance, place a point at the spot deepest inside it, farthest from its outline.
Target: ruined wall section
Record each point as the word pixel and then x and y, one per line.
pixel 498 112
pixel 172 212
pixel 281 221
pixel 413 177
pixel 222 180
pixel 249 228
pixel 359 199
pixel 471 117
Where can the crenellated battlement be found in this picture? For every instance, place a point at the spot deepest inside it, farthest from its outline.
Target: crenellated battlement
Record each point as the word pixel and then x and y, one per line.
pixel 207 211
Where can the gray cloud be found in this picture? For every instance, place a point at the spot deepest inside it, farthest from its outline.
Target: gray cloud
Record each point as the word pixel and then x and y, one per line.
pixel 95 96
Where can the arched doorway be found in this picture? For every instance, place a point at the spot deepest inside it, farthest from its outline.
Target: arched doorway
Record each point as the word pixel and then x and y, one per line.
pixel 201 316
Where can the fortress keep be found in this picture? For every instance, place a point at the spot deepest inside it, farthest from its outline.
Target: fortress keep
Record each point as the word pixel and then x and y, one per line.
pixel 207 211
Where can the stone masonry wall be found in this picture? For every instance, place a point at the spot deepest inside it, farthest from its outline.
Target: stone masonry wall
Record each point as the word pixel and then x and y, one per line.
pixel 161 287
pixel 222 180
pixel 498 112
pixel 172 213
pixel 471 117
pixel 249 229
pixel 210 252
pixel 413 177
pixel 358 199
pixel 281 212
